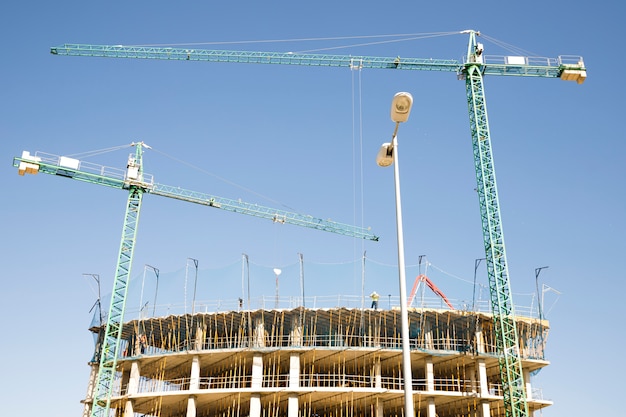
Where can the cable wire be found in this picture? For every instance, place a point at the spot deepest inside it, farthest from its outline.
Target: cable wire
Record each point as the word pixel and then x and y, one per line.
pixel 334 38
pixel 88 154
pixel 224 180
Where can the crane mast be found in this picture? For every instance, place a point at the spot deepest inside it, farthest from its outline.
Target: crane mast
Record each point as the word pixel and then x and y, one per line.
pixel 137 183
pixel 509 359
pixel 474 67
pixel 110 345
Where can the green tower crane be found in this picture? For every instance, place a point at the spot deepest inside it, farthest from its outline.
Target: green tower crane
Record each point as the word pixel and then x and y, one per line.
pixel 138 183
pixel 474 67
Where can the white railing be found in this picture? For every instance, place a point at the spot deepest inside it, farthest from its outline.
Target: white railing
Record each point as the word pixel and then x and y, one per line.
pixel 317 302
pixel 88 167
pixel 536 61
pixel 149 385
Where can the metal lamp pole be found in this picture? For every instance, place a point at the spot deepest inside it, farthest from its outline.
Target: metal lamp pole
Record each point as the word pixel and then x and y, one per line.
pixel 156 289
pixel 195 286
pixel 400 109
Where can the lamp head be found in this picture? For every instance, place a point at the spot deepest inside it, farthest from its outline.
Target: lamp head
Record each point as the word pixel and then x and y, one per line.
pixel 401 107
pixel 277 271
pixel 384 158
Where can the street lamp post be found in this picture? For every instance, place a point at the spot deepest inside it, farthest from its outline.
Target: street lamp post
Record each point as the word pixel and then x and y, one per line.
pixel 96 277
pixel 156 289
pixel 539 296
pixel 247 276
pixel 195 286
pixel 400 110
pixel 539 306
pixel 476 265
pixel 301 257
pixel 277 272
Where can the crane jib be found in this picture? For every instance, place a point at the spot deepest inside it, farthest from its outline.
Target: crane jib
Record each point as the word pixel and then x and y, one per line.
pixel 116 178
pixel 573 66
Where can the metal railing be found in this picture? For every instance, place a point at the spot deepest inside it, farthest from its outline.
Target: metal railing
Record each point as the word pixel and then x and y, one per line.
pixel 317 380
pixel 319 302
pixel 88 167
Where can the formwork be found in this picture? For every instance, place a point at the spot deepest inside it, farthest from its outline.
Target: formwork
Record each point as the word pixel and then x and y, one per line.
pixel 316 362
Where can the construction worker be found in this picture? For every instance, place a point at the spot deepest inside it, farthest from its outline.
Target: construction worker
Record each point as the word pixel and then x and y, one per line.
pixel 374 296
pixel 143 343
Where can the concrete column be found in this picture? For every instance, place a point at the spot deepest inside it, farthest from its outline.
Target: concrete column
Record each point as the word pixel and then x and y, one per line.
pixel 378 378
pixel 379 408
pixel 472 373
pixel 376 333
pixel 480 341
pixel 482 378
pixel 198 343
pixel 257 382
pixel 294 370
pixel 194 385
pixel 428 340
pixel 294 382
pixel 484 409
pixel 255 405
pixel 431 410
pixel 259 334
pixel 292 405
pixel 257 371
pixel 191 406
pixel 132 388
pixel 133 380
pixel 430 374
pixel 128 409
pixel 377 382
pixel 124 382
pixel 194 377
pixel 91 385
pixel 296 336
pixel 528 387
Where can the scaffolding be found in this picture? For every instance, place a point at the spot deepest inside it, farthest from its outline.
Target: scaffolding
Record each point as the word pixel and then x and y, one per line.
pixel 304 362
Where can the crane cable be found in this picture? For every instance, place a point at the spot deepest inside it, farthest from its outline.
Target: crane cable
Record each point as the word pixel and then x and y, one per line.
pixel 204 171
pixel 404 36
pixel 277 230
pixel 357 179
pixel 88 154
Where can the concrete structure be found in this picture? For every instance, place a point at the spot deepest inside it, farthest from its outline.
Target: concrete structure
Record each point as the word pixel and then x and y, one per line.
pixel 316 363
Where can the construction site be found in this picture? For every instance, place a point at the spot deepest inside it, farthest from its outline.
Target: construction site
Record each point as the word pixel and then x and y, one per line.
pixel 333 360
pixel 315 362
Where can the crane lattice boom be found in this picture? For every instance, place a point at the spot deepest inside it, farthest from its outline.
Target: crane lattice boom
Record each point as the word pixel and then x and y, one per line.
pixel 117 178
pixel 567 67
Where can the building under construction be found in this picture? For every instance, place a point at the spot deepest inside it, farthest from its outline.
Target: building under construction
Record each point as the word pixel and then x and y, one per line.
pixel 316 362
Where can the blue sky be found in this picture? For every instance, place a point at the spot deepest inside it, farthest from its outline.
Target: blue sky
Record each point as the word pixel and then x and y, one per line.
pixel 304 139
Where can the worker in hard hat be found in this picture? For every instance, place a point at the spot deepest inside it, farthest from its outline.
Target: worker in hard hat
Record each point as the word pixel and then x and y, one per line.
pixel 374 296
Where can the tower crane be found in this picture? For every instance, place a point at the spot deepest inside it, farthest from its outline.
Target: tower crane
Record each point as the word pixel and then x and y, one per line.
pixel 138 183
pixel 472 69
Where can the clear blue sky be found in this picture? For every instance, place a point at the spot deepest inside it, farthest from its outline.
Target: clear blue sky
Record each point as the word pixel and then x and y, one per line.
pixel 292 137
